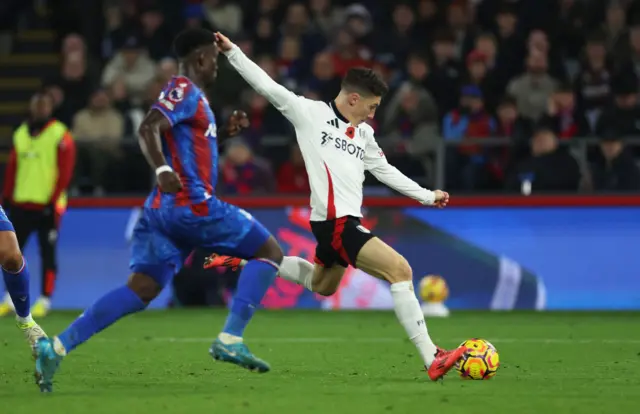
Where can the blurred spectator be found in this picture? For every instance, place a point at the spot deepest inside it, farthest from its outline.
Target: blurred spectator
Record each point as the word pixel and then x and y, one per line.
pixel 615 169
pixel 223 15
pixel 571 26
pixel 323 80
pixel 509 124
pixel 396 44
pixel 265 39
pixel 533 88
pixel 133 66
pixel 298 24
pixel 156 34
pixel 98 129
pixel 410 123
pixel 289 63
pixel 73 87
pixel 615 30
pixel 459 21
pixel 471 119
pixel 446 70
pixel 243 173
pixel 510 45
pixel 539 41
pixel 75 44
pixel 292 175
pixel 359 24
pixel 467 165
pixel 563 116
pixel 593 82
pixel 325 16
pixel 631 62
pixel 624 114
pixel 478 74
pixel 549 169
pixel 347 53
pixel 427 17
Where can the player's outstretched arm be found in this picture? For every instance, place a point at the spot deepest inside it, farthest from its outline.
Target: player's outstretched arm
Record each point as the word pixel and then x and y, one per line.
pixel 376 163
pixel 280 97
pixel 153 124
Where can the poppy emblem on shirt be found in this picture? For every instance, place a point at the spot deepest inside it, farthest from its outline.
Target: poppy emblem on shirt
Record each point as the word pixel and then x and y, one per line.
pixel 350 132
pixel 381 154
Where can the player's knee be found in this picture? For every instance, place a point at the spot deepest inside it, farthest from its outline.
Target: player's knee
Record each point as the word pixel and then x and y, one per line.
pixel 11 260
pixel 271 251
pixel 400 271
pixel 144 286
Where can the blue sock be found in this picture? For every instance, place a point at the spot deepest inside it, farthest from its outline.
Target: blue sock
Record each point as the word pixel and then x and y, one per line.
pixel 106 311
pixel 254 281
pixel 18 287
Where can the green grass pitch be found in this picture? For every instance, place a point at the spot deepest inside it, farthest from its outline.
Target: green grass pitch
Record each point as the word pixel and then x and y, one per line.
pixel 333 362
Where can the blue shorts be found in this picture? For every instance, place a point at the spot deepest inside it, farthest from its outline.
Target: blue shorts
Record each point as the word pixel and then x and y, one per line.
pixel 163 238
pixel 5 224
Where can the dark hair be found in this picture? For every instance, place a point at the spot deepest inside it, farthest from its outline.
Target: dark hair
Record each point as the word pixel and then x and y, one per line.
pixel 508 100
pixel 596 37
pixel 191 39
pixel 365 82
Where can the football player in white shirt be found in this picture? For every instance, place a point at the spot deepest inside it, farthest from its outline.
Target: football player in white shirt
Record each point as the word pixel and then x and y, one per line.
pixel 338 146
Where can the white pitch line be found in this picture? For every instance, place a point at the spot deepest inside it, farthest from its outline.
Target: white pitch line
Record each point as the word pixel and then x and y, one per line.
pixel 560 341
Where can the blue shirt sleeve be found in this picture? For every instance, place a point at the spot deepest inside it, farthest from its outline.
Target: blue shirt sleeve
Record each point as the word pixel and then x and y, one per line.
pixel 178 101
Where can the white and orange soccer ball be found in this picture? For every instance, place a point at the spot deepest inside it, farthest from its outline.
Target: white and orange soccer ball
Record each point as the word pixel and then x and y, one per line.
pixel 433 288
pixel 480 362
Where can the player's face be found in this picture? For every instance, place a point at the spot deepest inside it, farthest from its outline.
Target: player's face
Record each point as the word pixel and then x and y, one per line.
pixel 365 108
pixel 41 107
pixel 209 63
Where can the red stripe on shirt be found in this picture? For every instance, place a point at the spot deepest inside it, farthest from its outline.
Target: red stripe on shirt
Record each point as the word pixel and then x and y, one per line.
pixel 202 149
pixel 331 207
pixel 182 196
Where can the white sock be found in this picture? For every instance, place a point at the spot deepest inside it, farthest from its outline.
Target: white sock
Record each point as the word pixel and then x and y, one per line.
pixel 229 339
pixel 58 347
pixel 297 270
pixel 410 315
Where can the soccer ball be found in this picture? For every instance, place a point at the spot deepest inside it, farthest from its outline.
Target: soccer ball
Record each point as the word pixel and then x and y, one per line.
pixel 433 288
pixel 480 362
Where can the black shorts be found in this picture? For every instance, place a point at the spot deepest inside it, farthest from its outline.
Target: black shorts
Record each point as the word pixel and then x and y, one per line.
pixel 339 240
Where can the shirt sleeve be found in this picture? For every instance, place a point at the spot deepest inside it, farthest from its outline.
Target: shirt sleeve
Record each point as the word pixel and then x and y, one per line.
pixel 376 163
pixel 292 106
pixel 177 102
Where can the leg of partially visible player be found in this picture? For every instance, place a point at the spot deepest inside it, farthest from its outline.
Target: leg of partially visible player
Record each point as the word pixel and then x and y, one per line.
pixel 155 259
pixel 15 273
pixel 380 260
pixel 255 279
pixel 315 278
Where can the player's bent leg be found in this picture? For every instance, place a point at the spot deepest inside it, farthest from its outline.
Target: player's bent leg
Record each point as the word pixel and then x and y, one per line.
pixel 254 281
pixel 380 260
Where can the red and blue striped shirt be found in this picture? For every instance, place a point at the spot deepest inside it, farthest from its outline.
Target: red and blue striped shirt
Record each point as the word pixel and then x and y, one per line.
pixel 190 146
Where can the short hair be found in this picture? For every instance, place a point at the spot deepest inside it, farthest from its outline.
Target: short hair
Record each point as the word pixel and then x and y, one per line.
pixel 364 81
pixel 189 40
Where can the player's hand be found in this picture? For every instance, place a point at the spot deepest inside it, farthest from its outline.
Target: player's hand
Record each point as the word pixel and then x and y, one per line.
pixel 223 42
pixel 442 199
pixel 236 123
pixel 169 182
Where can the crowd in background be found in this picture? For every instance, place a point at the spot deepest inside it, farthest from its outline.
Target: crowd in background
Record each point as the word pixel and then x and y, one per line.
pixel 540 74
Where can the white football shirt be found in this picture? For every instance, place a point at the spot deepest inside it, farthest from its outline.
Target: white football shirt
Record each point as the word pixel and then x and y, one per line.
pixel 336 154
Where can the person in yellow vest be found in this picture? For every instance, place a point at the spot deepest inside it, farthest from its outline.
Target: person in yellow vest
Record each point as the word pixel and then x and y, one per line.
pixel 39 171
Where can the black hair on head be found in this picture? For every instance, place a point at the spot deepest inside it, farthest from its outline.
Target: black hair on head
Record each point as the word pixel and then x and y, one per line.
pixel 191 39
pixel 365 82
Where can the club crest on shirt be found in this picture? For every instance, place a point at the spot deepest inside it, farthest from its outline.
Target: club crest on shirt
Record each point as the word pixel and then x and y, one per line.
pixel 176 94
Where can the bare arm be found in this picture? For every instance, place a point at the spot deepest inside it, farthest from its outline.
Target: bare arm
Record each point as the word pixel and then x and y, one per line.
pixel 153 124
